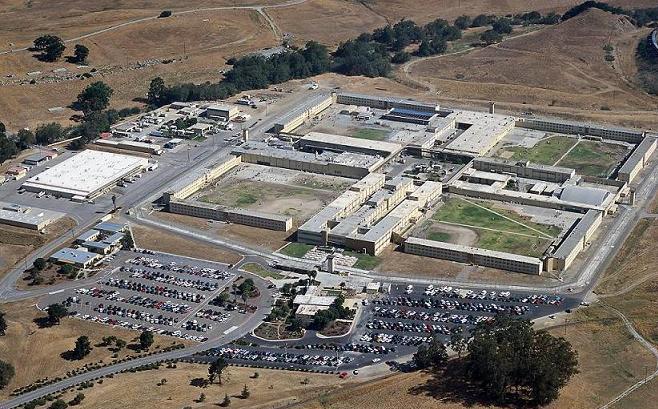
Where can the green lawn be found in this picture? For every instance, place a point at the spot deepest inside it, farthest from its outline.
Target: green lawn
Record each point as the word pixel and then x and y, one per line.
pixel 366 261
pixel 439 236
pixel 594 158
pixel 298 250
pixel 371 134
pixel 261 271
pixel 547 151
pixel 462 212
pixel 511 243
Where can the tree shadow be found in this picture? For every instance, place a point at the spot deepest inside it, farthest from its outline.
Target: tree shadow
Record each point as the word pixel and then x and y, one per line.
pixel 199 382
pixel 69 356
pixel 43 322
pixel 451 385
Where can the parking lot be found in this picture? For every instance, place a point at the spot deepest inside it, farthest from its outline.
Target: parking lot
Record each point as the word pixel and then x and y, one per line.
pixel 166 294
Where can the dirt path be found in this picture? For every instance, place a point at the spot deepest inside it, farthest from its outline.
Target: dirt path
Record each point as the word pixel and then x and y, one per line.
pixel 258 8
pixel 630 287
pixel 644 343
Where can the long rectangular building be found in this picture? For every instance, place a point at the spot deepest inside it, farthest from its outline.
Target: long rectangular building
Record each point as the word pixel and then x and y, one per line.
pixel 480 131
pixel 238 216
pixel 345 143
pixel 580 128
pixel 382 102
pixel 637 160
pixel 555 174
pixel 576 240
pixel 27 216
pixel 310 108
pixel 473 255
pixel 198 179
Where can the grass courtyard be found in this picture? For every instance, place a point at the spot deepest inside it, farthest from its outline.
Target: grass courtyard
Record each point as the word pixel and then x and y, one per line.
pixel 370 134
pixel 547 151
pixel 298 250
pixel 594 158
pixel 496 229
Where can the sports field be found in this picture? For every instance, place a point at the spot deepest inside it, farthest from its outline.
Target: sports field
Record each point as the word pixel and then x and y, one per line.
pixel 547 151
pixel 594 158
pixel 370 134
pixel 489 227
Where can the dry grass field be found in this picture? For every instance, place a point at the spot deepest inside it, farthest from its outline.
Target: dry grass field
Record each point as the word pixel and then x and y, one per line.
pixel 17 242
pixel 35 352
pixel 271 388
pixel 554 70
pixel 161 240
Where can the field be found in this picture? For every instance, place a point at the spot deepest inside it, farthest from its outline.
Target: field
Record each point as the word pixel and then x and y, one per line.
pixel 365 261
pixel 35 352
pixel 370 133
pixel 558 70
pixel 298 250
pixel 161 240
pixel 277 191
pixel 17 242
pixel 594 158
pixel 278 388
pixel 547 151
pixel 478 224
pixel 261 271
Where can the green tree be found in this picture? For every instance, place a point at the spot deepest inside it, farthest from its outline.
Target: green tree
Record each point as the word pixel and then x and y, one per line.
pixel 8 148
pixel 25 138
pixel 502 25
pixel 458 343
pixel 80 54
pixel 82 347
pixel 7 372
pixel 226 402
pixel 56 312
pixel 157 90
pixel 202 398
pixel 77 399
pixel 216 370
pixel 49 133
pixel 245 392
pixel 145 339
pixel 3 323
pixel 51 47
pixel 491 37
pixel 94 98
pixel 120 344
pixel 463 22
pixel 59 404
pixel 400 57
pixel 40 264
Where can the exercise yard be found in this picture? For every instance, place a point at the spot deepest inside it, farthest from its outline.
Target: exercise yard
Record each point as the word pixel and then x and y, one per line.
pixel 480 224
pixel 594 158
pixel 372 134
pixel 273 190
pixel 546 152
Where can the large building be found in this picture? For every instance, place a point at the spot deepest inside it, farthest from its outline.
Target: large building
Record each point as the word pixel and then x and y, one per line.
pixel 386 103
pixel 478 131
pixel 528 170
pixel 473 255
pixel 312 107
pixel 318 140
pixel 86 175
pixel 575 240
pixel 26 216
pixel 580 128
pixel 637 160
pixel 222 112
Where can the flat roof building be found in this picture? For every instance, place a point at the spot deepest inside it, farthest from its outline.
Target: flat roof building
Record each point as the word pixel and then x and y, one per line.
pixel 637 160
pixel 87 174
pixel 345 143
pixel 480 131
pixel 77 257
pixel 222 112
pixel 27 216
pixel 383 102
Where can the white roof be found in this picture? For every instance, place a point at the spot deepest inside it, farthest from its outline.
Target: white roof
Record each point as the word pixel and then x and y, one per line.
pixel 86 172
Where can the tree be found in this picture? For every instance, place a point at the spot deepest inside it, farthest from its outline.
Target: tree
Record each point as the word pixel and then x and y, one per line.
pixel 247 287
pixel 216 370
pixel 82 347
pixel 94 98
pixel 25 138
pixel 202 398
pixel 400 57
pixel 56 312
pixel 463 22
pixel 433 355
pixel 51 47
pixel 502 25
pixel 49 133
pixel 157 90
pixel 491 36
pixel 245 392
pixel 145 339
pixel 68 270
pixel 226 402
pixel 8 148
pixel 80 54
pixel 458 343
pixel 59 404
pixel 509 355
pixel 7 372
pixel 482 20
pixel 3 323
pixel 78 399
pixel 120 344
pixel 39 264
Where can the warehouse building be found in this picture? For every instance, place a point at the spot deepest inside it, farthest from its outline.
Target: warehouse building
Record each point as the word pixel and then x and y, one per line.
pixel 385 103
pixel 86 175
pixel 579 128
pixel 312 107
pixel 637 160
pixel 546 173
pixel 134 146
pixel 200 178
pixel 40 158
pixel 26 216
pixel 473 255
pixel 575 241
pixel 222 112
